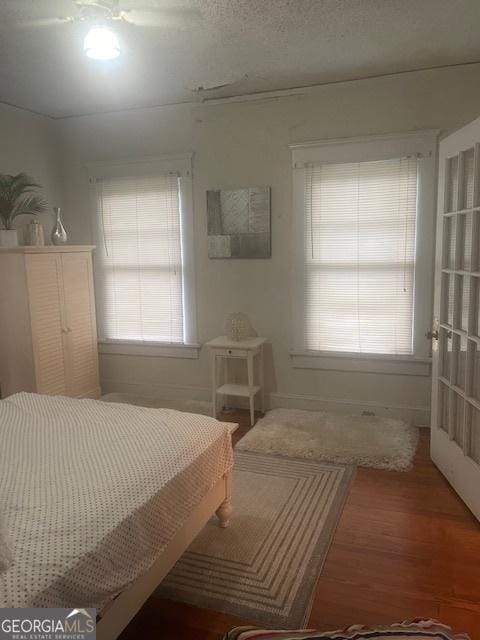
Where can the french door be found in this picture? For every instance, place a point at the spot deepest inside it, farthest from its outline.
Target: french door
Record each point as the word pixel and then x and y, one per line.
pixel 455 433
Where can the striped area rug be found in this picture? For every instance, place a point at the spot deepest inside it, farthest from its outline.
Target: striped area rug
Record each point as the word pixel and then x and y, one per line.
pixel 265 566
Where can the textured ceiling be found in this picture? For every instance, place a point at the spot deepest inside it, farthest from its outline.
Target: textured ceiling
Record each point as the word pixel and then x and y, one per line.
pixel 258 45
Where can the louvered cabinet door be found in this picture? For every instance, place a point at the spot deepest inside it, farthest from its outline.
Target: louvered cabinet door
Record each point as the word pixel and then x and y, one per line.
pixel 45 290
pixel 82 355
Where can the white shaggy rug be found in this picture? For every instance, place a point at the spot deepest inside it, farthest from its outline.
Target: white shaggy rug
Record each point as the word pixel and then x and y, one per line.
pixel 368 441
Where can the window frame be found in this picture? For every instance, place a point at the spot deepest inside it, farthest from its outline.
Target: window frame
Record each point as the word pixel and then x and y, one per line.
pixel 423 144
pixel 181 165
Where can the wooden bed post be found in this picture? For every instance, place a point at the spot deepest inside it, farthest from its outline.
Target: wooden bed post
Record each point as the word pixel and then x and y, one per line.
pixel 225 510
pixel 118 613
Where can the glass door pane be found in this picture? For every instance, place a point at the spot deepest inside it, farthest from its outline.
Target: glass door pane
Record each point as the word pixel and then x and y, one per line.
pixel 474 391
pixel 460 347
pixel 475 329
pixel 446 316
pixel 452 184
pixel 445 353
pixel 467 184
pixel 458 415
pixel 465 222
pixel 449 229
pixel 474 445
pixel 464 301
pixel 444 408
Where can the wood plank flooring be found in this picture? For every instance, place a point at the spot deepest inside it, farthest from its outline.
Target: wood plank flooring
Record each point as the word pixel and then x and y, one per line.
pixel 406 546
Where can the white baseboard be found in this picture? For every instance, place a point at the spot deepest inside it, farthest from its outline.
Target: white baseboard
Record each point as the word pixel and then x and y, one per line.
pixel 419 416
pixel 156 390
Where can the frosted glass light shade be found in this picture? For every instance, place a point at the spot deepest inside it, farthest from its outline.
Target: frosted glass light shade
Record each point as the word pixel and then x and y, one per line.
pixel 101 43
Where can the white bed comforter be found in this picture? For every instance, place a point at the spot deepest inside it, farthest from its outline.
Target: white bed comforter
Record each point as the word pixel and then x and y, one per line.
pixel 91 492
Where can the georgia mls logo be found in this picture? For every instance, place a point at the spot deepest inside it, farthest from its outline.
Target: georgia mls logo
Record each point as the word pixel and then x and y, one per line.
pixel 47 624
pixel 75 612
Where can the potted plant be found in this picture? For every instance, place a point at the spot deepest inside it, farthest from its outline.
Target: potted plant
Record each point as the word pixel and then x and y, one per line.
pixel 17 197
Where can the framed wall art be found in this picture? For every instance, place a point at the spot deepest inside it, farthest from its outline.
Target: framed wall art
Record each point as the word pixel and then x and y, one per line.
pixel 239 223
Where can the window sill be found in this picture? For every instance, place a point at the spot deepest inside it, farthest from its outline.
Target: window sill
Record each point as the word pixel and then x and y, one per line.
pixel 152 349
pixel 362 362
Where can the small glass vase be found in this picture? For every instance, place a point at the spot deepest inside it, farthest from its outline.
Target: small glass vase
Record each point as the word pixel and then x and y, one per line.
pixel 34 235
pixel 59 235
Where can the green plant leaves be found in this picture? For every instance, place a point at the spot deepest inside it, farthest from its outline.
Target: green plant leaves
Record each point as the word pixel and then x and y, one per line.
pixel 18 197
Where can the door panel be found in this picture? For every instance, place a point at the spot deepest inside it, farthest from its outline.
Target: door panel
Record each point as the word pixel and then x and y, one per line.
pixel 46 310
pixel 82 358
pixel 455 430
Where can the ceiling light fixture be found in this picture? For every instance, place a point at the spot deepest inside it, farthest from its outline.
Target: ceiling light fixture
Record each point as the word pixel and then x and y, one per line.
pixel 101 43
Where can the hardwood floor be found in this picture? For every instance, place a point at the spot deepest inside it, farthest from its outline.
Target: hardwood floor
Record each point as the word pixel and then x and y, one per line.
pixel 406 546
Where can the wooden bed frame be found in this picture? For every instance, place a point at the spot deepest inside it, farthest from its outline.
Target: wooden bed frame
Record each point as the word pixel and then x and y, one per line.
pixel 120 611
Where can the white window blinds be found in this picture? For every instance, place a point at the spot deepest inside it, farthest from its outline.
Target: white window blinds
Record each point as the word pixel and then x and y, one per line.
pixel 139 262
pixel 359 243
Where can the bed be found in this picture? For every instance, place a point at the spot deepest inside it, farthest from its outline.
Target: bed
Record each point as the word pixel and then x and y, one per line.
pixel 99 500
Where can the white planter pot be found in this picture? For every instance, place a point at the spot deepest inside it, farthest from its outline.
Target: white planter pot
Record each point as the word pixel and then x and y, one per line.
pixel 8 238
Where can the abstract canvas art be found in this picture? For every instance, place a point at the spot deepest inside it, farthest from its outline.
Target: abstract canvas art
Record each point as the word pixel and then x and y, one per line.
pixel 239 223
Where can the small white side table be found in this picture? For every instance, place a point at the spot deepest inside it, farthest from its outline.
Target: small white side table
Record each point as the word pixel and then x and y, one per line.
pixel 224 348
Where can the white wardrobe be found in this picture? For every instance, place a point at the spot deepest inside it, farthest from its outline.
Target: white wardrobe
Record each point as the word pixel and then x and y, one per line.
pixel 48 335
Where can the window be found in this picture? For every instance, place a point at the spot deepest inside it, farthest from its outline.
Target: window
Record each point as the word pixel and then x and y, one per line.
pixel 143 261
pixel 365 211
pixel 360 256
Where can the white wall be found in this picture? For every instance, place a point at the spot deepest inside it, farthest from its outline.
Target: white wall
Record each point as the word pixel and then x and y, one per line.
pixel 29 143
pixel 246 143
